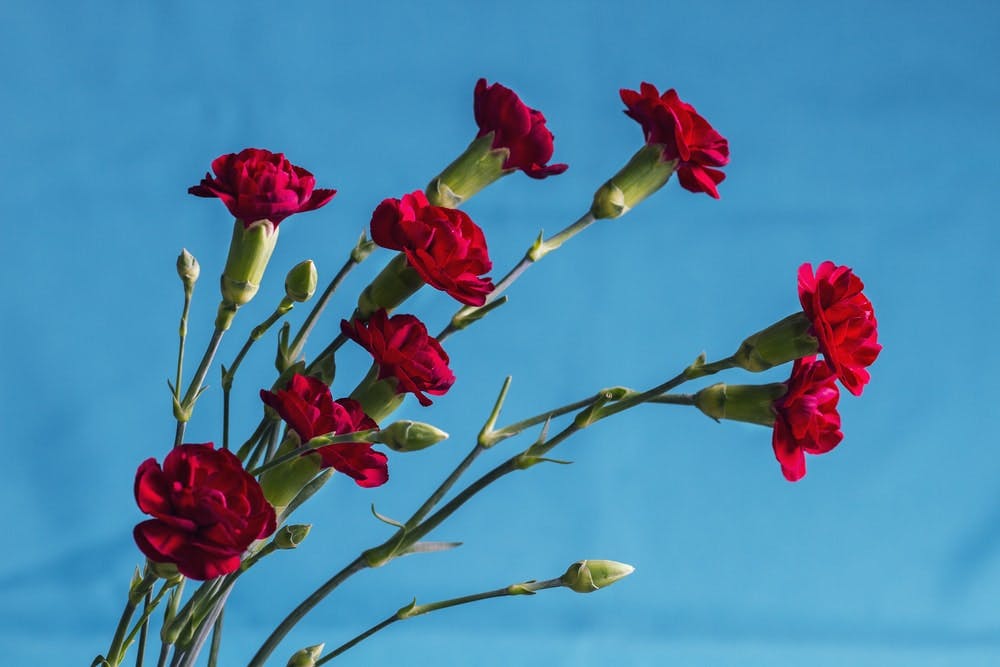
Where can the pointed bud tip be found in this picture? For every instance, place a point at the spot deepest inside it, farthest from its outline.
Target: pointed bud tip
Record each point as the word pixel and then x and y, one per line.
pixel 587 576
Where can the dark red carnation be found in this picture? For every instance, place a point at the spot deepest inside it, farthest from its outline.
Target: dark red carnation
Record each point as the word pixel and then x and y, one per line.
pixel 207 510
pixel 842 321
pixel 256 184
pixel 403 350
pixel 806 418
pixel 443 245
pixel 682 134
pixel 516 127
pixel 308 408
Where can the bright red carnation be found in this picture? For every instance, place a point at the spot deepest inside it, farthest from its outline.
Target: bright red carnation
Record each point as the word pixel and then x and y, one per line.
pixel 309 409
pixel 256 184
pixel 842 321
pixel 806 418
pixel 403 350
pixel 683 135
pixel 516 127
pixel 443 245
pixel 207 510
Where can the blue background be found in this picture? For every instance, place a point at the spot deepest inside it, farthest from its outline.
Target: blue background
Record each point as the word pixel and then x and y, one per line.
pixel 861 132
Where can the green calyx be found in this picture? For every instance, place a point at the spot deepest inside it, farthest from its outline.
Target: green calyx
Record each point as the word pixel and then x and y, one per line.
pixel 784 341
pixel 471 171
pixel 397 282
pixel 644 174
pixel 752 403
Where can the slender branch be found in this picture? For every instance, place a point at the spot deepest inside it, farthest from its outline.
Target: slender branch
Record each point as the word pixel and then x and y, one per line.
pixel 182 331
pixel 411 610
pixel 304 608
pixel 140 651
pixel 195 387
pixel 213 651
pixel 673 399
pixel 300 338
pixel 117 649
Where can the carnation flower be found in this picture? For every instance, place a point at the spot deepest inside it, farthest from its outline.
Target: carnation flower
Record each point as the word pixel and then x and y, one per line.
pixel 806 418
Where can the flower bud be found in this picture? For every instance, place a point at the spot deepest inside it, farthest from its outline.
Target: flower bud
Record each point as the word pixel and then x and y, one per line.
pixel 166 571
pixel 587 576
pixel 394 285
pixel 306 657
pixel 784 341
pixel 644 174
pixel 300 284
pixel 249 252
pixel 188 269
pixel 753 403
pixel 410 436
pixel 289 537
pixel 471 171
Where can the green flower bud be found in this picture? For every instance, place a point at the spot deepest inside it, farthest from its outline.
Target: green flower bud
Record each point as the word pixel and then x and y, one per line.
pixel 394 285
pixel 300 284
pixel 249 252
pixel 166 571
pixel 751 403
pixel 289 537
pixel 409 436
pixel 587 576
pixel 644 174
pixel 306 657
pixel 188 269
pixel 471 171
pixel 784 341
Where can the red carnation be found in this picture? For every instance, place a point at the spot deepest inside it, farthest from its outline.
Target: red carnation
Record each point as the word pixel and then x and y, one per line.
pixel 443 245
pixel 256 184
pixel 682 134
pixel 516 127
pixel 309 409
pixel 842 321
pixel 806 418
pixel 403 350
pixel 207 511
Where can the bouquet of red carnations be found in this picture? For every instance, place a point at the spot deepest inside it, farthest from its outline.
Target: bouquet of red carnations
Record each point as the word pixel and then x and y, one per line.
pixel 217 511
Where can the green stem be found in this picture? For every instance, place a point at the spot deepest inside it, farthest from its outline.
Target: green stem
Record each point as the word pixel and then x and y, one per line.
pixel 249 445
pixel 195 387
pixel 213 651
pixel 300 338
pixel 141 624
pixel 182 331
pixel 140 651
pixel 538 250
pixel 673 399
pixel 327 352
pixel 409 611
pixel 118 644
pixel 304 608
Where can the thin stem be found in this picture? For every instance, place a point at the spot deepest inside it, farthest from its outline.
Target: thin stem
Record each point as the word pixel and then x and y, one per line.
pixel 414 609
pixel 117 648
pixel 272 444
pixel 445 486
pixel 300 338
pixel 538 250
pixel 328 351
pixel 673 399
pixel 517 427
pixel 164 654
pixel 195 387
pixel 182 331
pixel 141 624
pixel 140 651
pixel 213 651
pixel 253 440
pixel 304 608
pixel 225 415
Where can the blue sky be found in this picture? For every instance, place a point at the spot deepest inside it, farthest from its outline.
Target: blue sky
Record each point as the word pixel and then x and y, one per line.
pixel 862 133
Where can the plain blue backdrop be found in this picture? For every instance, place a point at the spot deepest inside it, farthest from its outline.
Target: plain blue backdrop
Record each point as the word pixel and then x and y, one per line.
pixel 861 132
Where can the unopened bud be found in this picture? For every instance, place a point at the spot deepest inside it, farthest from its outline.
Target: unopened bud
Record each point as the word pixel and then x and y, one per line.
pixel 188 269
pixel 300 284
pixel 289 537
pixel 306 657
pixel 753 403
pixel 587 576
pixel 644 174
pixel 409 436
pixel 784 341
pixel 473 170
pixel 166 571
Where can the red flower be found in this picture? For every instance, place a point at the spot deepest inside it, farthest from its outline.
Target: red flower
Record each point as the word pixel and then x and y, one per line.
pixel 842 321
pixel 683 135
pixel 403 350
pixel 309 409
pixel 443 245
pixel 207 511
pixel 806 418
pixel 256 184
pixel 516 127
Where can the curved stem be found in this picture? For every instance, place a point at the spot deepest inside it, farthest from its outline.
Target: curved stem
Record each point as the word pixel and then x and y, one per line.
pixel 304 608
